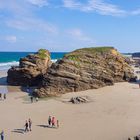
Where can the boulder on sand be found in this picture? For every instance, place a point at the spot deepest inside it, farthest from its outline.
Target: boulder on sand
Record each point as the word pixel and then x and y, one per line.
pixel 30 69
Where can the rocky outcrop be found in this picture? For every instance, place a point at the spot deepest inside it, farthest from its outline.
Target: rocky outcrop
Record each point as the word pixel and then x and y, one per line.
pixel 136 55
pixel 88 68
pixel 30 70
pixel 80 99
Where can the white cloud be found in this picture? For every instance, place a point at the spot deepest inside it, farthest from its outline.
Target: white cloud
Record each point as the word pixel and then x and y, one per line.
pixel 78 34
pixel 98 6
pixel 106 8
pixel 23 17
pixel 39 3
pixel 11 39
pixel 15 8
pixel 72 4
pixel 31 24
pixel 136 12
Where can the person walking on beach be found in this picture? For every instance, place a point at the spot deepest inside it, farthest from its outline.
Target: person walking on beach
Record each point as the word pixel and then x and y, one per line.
pixel 49 121
pixel 0 96
pixel 53 121
pixel 57 123
pixel 26 126
pixel 30 124
pixel 2 135
pixel 31 98
pixel 4 96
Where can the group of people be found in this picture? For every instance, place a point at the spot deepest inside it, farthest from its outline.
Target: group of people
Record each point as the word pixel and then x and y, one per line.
pixel 52 122
pixel 2 96
pixel 2 135
pixel 30 92
pixel 32 99
pixel 28 125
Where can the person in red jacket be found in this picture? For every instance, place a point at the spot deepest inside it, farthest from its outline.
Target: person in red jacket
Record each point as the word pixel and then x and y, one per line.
pixel 53 121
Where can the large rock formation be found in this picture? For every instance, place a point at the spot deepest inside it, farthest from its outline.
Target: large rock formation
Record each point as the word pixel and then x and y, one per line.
pixel 30 70
pixel 88 68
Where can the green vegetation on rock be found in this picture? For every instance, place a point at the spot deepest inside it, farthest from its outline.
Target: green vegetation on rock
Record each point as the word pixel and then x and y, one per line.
pixel 73 57
pixel 42 53
pixel 77 54
pixel 97 49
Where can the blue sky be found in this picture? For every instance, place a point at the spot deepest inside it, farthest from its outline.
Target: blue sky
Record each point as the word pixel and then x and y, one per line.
pixel 65 25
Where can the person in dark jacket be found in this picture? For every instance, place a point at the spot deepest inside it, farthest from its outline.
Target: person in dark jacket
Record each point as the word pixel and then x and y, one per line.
pixel 2 135
pixel 26 126
pixel 49 121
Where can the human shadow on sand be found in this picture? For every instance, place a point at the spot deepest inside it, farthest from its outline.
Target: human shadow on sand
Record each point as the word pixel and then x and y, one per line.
pixel 136 88
pixel 21 131
pixel 27 102
pixel 45 126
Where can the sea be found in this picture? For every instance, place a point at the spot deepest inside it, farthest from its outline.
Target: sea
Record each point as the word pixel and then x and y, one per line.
pixel 8 59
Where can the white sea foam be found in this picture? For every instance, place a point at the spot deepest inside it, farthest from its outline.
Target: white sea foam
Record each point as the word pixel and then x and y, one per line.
pixel 54 60
pixel 7 65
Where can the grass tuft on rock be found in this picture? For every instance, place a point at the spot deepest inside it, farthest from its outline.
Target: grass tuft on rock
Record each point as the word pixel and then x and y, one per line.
pixel 42 53
pixel 97 49
pixel 75 55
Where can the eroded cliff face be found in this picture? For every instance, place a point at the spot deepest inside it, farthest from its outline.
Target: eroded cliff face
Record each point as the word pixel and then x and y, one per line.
pixel 30 70
pixel 88 68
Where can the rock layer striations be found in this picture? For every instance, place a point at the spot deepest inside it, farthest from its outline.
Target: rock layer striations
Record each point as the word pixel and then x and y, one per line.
pixel 30 70
pixel 83 69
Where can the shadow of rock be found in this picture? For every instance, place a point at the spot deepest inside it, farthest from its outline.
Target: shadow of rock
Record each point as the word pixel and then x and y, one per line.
pixel 28 90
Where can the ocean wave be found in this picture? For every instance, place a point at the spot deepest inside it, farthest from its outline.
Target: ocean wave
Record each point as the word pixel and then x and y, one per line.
pixel 7 65
pixel 13 63
pixel 54 60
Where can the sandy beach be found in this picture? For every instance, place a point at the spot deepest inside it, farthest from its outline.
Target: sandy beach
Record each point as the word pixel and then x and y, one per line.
pixel 113 114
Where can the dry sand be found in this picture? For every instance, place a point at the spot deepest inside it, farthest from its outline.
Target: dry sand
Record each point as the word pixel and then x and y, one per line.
pixel 114 114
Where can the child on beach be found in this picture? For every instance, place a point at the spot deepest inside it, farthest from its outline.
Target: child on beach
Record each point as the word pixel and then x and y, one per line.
pixel 49 121
pixel 30 124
